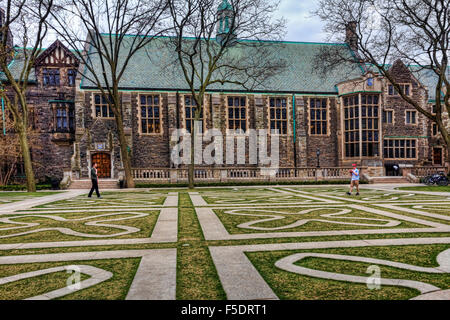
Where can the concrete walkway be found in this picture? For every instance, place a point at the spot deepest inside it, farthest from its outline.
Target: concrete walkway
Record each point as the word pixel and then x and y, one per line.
pixel 36 201
pixel 242 281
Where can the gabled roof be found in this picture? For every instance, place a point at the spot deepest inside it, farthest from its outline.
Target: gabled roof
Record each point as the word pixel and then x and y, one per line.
pixel 17 64
pixel 50 50
pixel 156 68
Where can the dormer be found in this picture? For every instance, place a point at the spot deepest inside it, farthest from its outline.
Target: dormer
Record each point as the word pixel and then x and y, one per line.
pixel 57 66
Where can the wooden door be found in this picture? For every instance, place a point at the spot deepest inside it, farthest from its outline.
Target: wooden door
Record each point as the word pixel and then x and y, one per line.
pixel 437 156
pixel 103 161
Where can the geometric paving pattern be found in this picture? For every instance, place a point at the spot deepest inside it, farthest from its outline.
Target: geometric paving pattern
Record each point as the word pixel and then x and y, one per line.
pixel 297 225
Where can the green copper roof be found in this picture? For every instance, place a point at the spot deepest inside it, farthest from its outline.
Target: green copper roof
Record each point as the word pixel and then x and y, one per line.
pixel 16 66
pixel 157 68
pixel 225 5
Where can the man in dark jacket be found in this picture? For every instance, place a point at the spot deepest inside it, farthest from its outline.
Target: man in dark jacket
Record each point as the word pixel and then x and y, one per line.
pixel 94 179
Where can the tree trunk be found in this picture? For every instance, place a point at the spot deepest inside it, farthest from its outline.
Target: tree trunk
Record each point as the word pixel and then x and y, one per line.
pixel 192 163
pixel 31 182
pixel 126 161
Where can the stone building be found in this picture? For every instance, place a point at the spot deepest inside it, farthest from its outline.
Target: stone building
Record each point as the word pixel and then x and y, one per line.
pixel 350 115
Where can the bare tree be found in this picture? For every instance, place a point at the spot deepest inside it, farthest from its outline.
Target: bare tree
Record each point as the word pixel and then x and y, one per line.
pixel 27 18
pixel 108 25
pixel 414 31
pixel 219 42
pixel 11 158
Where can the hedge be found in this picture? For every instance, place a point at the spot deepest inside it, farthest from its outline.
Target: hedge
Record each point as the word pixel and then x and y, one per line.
pixel 20 187
pixel 246 183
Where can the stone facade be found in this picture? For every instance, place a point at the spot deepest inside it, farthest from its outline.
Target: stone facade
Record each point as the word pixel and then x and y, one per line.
pixel 94 137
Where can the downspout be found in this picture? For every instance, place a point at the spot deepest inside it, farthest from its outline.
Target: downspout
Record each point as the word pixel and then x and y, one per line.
pixel 295 133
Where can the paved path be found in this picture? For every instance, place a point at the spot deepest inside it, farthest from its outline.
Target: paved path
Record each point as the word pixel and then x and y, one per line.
pixel 156 273
pixel 241 280
pixel 154 280
pixel 29 203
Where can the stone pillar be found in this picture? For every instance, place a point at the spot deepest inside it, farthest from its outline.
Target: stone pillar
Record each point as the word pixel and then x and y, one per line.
pixel 259 112
pixel 173 175
pixel 301 155
pixel 171 125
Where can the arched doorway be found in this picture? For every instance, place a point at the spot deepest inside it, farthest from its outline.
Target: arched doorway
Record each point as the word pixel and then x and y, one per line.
pixel 103 161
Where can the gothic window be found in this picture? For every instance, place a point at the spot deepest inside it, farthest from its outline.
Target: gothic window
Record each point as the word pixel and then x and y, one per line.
pixel 190 107
pixel 102 107
pixel 150 113
pixel 400 149
pixel 411 117
pixel 278 114
pixel 63 117
pixel 51 77
pixel 318 116
pixel 351 126
pixel 237 113
pixel 71 76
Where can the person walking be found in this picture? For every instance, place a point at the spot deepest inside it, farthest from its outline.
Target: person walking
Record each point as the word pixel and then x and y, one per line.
pixel 94 179
pixel 355 180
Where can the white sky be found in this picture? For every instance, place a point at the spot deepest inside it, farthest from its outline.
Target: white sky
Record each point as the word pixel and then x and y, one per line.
pixel 301 25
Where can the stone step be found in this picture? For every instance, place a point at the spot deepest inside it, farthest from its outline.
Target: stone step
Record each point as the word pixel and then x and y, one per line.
pixel 87 184
pixel 389 180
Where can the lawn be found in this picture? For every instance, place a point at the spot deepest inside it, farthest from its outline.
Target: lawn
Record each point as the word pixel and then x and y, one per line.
pixel 428 188
pixel 197 276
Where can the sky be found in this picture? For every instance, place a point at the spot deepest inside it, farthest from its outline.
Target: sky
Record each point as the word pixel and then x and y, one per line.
pixel 301 25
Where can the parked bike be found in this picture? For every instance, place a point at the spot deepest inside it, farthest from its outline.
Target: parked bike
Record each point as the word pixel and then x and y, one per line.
pixel 439 178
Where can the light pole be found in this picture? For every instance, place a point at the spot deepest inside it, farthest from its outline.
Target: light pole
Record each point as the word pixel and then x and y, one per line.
pixel 318 157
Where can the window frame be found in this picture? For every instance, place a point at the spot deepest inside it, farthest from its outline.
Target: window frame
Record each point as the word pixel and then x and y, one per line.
pixel 416 117
pixel 94 105
pixel 434 125
pixel 269 117
pixel 74 77
pixel 247 126
pixel 405 147
pixel 184 115
pixel 327 121
pixel 393 116
pixel 139 110
pixel 359 131
pixel 69 108
pixel 44 71
pixel 402 86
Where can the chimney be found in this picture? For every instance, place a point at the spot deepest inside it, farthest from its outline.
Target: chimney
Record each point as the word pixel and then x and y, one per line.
pixel 351 37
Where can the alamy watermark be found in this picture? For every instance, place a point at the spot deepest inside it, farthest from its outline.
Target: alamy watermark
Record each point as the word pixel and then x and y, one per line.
pixel 241 147
pixel 74 281
pixel 374 281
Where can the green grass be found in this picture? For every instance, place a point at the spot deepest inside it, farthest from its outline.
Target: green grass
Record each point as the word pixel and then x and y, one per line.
pixel 115 288
pixel 145 224
pixel 196 273
pixel 231 221
pixel 294 286
pixel 428 188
